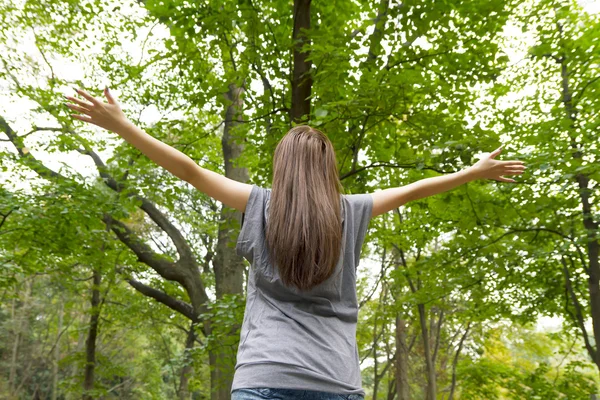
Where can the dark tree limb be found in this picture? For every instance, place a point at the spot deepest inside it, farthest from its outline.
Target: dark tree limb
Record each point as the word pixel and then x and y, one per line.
pixel 26 156
pixel 183 248
pixel 583 89
pixel 391 165
pixel 180 306
pixel 455 361
pixel 437 336
pixel 301 76
pixel 589 222
pixel 145 254
pixel 579 319
pixel 90 342
pixel 5 216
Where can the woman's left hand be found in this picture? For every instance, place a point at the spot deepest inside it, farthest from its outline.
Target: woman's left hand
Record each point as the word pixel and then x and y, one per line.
pixel 490 168
pixel 105 115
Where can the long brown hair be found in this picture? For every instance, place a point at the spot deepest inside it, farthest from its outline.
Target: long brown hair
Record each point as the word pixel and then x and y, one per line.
pixel 304 228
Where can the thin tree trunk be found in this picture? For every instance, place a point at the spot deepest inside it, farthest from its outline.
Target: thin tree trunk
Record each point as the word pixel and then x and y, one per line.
pixel 438 331
pixel 187 369
pixel 402 385
pixel 301 77
pixel 57 351
pixel 590 225
pixel 375 366
pixel 391 389
pixel 90 343
pixel 20 318
pixel 455 361
pixel 12 375
pixel 431 389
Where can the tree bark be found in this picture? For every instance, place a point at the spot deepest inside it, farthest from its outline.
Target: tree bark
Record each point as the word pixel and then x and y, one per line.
pixel 402 385
pixel 90 343
pixel 187 370
pixel 12 374
pixel 57 351
pixel 431 389
pixel 590 225
pixel 228 266
pixel 301 76
pixel 20 318
pixel 375 366
pixel 455 361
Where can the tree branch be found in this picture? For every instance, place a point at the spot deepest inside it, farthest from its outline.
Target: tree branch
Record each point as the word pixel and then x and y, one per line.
pixel 145 254
pixel 586 86
pixel 578 312
pixel 175 304
pixel 26 156
pixel 183 249
pixel 455 361
pixel 391 165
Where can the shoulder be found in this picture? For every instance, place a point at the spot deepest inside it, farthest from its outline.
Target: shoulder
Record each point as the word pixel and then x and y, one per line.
pixel 359 198
pixel 257 199
pixel 360 204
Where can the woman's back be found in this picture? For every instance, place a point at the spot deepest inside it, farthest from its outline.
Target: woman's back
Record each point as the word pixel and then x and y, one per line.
pixel 297 339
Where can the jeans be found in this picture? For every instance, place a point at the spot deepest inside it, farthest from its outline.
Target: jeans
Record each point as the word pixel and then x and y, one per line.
pixel 289 394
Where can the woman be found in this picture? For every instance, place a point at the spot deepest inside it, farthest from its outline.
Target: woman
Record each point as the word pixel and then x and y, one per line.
pixel 298 338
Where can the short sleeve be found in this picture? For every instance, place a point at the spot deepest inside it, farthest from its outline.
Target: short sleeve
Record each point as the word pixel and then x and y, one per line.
pixel 359 210
pixel 252 231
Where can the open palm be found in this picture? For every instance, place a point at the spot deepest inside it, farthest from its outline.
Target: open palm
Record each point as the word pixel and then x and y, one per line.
pixel 490 168
pixel 105 115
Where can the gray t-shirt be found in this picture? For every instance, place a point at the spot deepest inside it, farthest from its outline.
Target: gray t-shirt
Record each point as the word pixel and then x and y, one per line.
pixel 300 339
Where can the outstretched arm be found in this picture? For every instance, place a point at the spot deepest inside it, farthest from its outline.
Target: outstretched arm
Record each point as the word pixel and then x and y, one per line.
pixel 486 168
pixel 110 117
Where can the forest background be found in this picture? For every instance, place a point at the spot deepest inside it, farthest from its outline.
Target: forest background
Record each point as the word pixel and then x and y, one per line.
pixel 118 281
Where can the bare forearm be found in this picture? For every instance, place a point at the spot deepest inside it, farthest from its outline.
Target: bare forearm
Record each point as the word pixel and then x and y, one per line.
pixel 439 184
pixel 486 168
pixel 162 154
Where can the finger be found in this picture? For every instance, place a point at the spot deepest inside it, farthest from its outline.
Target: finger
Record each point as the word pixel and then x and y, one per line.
pixel 80 102
pixel 496 152
pixel 513 162
pixel 520 169
pixel 109 96
pixel 92 99
pixel 82 117
pixel 503 179
pixel 513 172
pixel 77 108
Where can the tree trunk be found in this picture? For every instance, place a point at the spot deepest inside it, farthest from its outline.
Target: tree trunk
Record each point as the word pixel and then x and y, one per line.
pixel 187 370
pixel 20 318
pixel 375 366
pixel 431 389
pixel 590 225
pixel 73 368
pixel 455 361
pixel 57 351
pixel 12 375
pixel 228 266
pixel 301 76
pixel 402 386
pixel 90 343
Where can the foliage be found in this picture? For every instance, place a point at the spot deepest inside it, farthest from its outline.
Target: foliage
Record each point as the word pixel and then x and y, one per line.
pixel 404 90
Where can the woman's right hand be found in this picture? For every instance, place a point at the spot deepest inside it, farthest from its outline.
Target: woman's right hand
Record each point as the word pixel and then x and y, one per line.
pixel 490 168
